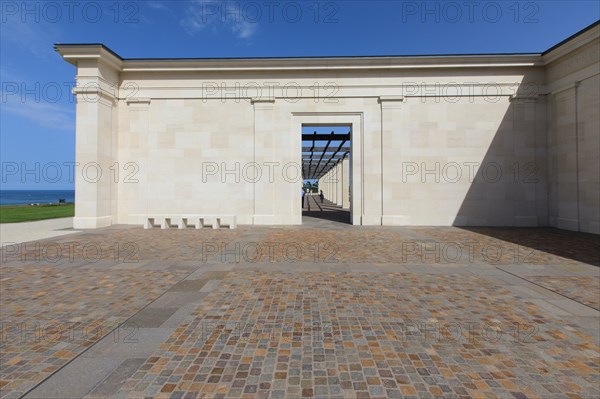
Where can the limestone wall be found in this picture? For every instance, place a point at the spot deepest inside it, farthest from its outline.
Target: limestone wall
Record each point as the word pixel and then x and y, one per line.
pixel 476 161
pixel 463 140
pixel 435 122
pixel 574 135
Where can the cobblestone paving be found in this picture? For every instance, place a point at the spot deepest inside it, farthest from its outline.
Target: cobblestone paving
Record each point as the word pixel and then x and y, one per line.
pixel 361 335
pixel 533 245
pixel 51 313
pixel 340 243
pixel 124 244
pixel 585 290
pixel 440 245
pixel 292 317
pixel 580 247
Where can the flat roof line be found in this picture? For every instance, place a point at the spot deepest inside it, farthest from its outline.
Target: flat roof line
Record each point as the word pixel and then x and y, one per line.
pixel 335 56
pixel 290 57
pixel 573 36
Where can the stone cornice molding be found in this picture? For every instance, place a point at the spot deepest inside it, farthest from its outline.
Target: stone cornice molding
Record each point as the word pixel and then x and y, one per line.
pixel 94 94
pixel 571 45
pixel 391 102
pixel 74 53
pixel 137 101
pixel 333 63
pixel 524 98
pixel 383 99
pixel 264 103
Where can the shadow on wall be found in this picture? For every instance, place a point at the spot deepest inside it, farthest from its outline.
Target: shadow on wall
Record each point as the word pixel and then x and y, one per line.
pixel 510 189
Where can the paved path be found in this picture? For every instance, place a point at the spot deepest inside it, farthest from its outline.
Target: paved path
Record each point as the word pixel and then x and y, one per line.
pixel 31 231
pixel 327 211
pixel 327 311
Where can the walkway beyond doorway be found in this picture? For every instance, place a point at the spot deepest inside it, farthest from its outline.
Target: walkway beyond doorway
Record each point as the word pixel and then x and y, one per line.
pixel 314 209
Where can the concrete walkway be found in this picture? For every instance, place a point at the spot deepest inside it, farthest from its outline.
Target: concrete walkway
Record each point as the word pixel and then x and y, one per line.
pixel 16 233
pixel 316 212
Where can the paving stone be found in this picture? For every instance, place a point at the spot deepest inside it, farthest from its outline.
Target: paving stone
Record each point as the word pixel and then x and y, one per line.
pixel 129 342
pixel 180 316
pixel 373 297
pixel 115 380
pixel 63 384
pixel 177 299
pixel 400 321
pixel 64 311
pixel 575 308
pixel 151 317
pixel 194 284
pixel 583 289
pixel 210 286
pixel 550 308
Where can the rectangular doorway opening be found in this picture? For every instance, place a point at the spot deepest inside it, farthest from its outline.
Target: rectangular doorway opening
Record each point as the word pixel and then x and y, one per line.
pixel 326 173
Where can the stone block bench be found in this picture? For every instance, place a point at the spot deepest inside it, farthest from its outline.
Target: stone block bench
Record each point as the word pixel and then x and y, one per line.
pixel 190 221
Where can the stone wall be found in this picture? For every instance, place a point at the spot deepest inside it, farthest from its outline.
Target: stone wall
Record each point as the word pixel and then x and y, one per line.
pixel 574 134
pixel 461 140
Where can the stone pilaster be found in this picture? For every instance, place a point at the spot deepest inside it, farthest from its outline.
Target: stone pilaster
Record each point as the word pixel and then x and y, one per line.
pixel 391 203
pixel 96 180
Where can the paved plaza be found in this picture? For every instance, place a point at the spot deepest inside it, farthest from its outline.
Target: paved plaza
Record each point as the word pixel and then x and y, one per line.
pixel 322 310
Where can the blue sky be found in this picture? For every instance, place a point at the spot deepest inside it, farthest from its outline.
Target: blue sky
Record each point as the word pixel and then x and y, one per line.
pixel 37 114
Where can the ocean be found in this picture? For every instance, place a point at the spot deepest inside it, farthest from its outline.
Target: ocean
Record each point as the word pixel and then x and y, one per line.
pixel 26 197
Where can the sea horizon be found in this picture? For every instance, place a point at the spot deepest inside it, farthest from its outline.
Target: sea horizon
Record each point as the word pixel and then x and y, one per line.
pixel 35 196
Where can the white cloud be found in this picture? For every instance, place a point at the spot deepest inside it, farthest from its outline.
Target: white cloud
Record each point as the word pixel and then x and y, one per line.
pixel 49 115
pixel 157 5
pixel 243 29
pixel 33 38
pixel 42 103
pixel 215 16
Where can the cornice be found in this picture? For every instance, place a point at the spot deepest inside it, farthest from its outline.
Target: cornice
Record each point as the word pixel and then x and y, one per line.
pixel 326 63
pixel 571 45
pixel 74 53
pixel 93 94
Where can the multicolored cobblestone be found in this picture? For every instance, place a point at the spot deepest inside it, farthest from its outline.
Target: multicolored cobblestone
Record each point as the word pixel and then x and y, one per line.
pixel 368 335
pixel 428 246
pixel 49 315
pixel 121 245
pixel 334 311
pixel 583 289
pixel 342 243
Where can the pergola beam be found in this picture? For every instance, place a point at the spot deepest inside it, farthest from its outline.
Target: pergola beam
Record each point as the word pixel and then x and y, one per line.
pixel 325 137
pixel 337 157
pixel 336 151
pixel 312 148
pixel 319 149
pixel 327 155
pixel 330 137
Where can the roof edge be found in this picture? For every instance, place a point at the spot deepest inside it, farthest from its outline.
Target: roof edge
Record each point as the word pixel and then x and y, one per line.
pixel 71 51
pixel 573 36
